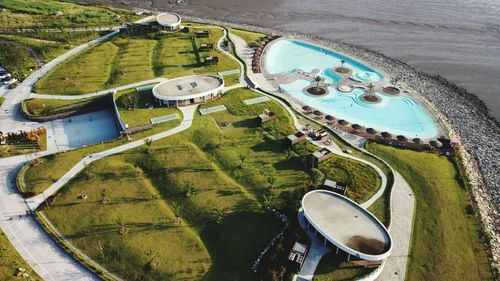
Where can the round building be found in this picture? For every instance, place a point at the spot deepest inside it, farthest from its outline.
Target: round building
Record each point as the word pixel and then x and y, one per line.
pixel 346 225
pixel 169 21
pixel 188 90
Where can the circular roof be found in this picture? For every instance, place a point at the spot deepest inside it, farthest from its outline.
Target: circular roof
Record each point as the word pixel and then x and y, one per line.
pixel 188 87
pixel 347 225
pixel 168 19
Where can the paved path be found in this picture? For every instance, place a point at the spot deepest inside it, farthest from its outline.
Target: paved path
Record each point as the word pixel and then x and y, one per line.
pixel 33 202
pixel 27 236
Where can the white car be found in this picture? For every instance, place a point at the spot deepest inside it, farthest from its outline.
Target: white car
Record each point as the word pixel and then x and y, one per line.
pixel 5 76
pixel 11 81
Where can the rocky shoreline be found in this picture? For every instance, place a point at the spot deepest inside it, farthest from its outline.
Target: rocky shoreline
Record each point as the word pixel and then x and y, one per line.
pixel 464 114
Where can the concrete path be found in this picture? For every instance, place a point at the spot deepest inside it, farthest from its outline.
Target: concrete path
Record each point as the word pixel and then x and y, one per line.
pixel 33 202
pixel 44 256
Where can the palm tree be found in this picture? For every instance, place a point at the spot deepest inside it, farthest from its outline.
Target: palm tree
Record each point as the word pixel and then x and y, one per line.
pixel 370 88
pixel 342 64
pixel 318 79
pixel 219 212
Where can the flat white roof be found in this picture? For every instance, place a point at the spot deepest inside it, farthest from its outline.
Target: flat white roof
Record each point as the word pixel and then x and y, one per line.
pixel 347 225
pixel 188 87
pixel 168 19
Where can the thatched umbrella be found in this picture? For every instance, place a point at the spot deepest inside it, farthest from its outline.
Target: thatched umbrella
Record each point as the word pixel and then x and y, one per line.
pixel 386 135
pixel 356 126
pixel 329 118
pixel 417 140
pixel 435 143
pixel 343 122
pixel 371 131
pixel 401 138
pixel 318 113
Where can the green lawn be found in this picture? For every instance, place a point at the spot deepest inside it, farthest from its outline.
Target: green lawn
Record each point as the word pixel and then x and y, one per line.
pixel 128 59
pixel 335 267
pixel 231 79
pixel 141 114
pixel 361 180
pixel 84 73
pixel 17 60
pixel 250 37
pixel 42 14
pixel 47 107
pixel 11 261
pixel 446 242
pixel 171 167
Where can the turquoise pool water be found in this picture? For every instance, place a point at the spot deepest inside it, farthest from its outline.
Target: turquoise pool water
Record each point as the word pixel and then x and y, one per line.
pixel 397 115
pixel 291 55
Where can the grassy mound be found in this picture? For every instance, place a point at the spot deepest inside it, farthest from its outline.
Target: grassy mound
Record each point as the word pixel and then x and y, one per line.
pixel 446 242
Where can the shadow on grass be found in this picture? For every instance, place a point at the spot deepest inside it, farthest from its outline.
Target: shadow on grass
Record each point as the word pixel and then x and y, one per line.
pixel 235 243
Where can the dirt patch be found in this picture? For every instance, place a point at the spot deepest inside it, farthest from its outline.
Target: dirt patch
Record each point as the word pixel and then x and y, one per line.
pixel 371 98
pixel 343 70
pixel 366 246
pixel 316 91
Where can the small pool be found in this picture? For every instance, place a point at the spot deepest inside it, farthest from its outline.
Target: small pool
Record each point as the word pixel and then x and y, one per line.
pixel 290 55
pixel 396 115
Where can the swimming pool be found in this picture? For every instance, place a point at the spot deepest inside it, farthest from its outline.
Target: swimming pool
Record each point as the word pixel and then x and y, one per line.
pixel 290 55
pixel 399 115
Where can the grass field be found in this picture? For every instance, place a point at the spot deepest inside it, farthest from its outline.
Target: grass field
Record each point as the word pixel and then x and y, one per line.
pixel 128 59
pixel 42 14
pixel 213 177
pixel 11 261
pixel 17 60
pixel 250 37
pixel 446 242
pixel 335 267
pixel 141 114
pixel 46 107
pixel 231 79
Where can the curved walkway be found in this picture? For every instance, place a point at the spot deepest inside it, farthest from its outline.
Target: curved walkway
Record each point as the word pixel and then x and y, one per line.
pixel 402 200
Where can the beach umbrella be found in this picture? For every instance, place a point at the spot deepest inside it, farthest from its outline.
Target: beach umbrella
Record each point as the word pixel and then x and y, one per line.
pixel 435 143
pixel 356 126
pixel 317 112
pixel 417 140
pixel 306 108
pixel 343 122
pixel 371 131
pixel 401 138
pixel 386 135
pixel 329 118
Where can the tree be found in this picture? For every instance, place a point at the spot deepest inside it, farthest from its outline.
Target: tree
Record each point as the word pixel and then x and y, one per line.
pixel 288 154
pixel 370 88
pixel 177 213
pixel 189 188
pixel 219 213
pixel 271 179
pixel 267 201
pixel 317 177
pixel 123 229
pixel 318 80
pixel 243 157
pixel 342 64
pixel 395 80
